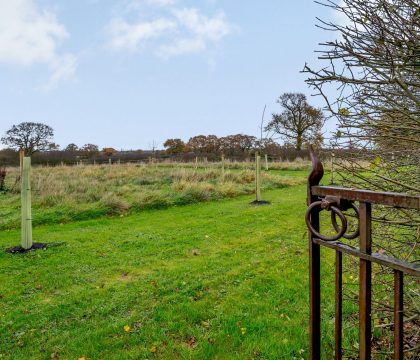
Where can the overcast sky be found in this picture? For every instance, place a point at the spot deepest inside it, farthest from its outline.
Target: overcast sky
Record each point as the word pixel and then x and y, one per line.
pixel 125 73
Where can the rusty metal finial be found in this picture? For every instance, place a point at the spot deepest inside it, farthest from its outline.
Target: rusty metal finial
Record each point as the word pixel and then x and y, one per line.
pixel 317 169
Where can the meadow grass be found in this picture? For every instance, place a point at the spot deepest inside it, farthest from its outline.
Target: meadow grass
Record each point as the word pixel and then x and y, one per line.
pixel 64 194
pixel 216 280
pixel 297 164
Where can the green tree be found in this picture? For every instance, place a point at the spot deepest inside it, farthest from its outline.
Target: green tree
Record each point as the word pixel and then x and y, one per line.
pixel 174 146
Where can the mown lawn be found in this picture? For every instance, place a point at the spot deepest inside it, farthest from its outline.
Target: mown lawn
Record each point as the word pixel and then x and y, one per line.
pixel 216 280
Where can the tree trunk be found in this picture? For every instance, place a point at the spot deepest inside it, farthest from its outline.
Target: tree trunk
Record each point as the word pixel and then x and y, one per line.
pixel 299 142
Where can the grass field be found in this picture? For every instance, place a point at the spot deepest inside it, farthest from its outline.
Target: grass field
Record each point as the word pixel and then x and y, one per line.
pixel 212 280
pixel 65 194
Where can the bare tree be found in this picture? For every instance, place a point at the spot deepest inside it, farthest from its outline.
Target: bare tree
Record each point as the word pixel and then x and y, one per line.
pixel 89 150
pixel 53 147
pixel 263 131
pixel 72 148
pixel 28 136
pixel 204 144
pixel 375 64
pixel 298 122
pixel 153 145
pixel 239 144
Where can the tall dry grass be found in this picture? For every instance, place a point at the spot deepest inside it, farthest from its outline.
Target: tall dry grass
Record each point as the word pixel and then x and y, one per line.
pixel 62 194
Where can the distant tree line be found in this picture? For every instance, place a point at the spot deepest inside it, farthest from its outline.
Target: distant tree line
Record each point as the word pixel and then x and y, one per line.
pixel 237 146
pixel 297 124
pixel 209 147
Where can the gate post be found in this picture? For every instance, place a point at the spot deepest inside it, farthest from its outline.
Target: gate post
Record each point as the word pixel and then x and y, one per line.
pixel 365 290
pixel 314 264
pixel 337 201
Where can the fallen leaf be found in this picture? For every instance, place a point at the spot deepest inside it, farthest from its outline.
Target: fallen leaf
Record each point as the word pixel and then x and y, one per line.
pixel 205 324
pixel 191 342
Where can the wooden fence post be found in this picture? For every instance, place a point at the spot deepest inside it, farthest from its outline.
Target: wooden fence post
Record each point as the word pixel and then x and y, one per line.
pixel 2 177
pixel 223 165
pixel 26 211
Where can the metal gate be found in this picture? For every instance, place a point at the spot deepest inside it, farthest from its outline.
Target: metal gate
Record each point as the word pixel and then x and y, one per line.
pixel 337 201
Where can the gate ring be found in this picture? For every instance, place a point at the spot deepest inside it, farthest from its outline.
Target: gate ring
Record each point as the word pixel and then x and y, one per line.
pixel 333 209
pixel 355 233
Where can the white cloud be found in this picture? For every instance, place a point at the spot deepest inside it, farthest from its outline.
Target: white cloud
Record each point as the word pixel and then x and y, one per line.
pixel 131 36
pixel 158 2
pixel 139 4
pixel 64 68
pixel 206 28
pixel 177 32
pixel 200 31
pixel 182 46
pixel 29 36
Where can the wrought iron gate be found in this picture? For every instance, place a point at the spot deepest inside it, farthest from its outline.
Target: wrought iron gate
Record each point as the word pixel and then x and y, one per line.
pixel 337 200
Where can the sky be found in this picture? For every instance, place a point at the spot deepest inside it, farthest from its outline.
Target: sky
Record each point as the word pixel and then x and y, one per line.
pixel 130 73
